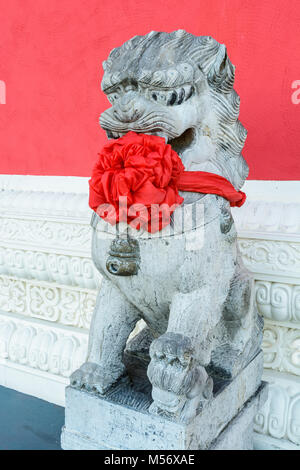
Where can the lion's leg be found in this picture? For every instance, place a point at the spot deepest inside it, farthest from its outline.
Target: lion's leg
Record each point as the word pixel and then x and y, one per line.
pixel 178 358
pixel 113 320
pixel 242 326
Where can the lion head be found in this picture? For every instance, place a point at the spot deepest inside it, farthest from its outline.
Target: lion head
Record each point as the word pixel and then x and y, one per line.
pixel 178 86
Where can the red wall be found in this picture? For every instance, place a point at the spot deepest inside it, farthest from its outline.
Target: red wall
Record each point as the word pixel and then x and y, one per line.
pixel 50 60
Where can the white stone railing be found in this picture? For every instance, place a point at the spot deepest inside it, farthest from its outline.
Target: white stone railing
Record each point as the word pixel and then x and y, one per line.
pixel 269 240
pixel 48 288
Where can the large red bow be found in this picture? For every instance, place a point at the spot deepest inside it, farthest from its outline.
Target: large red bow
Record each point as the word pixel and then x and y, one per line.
pixel 137 178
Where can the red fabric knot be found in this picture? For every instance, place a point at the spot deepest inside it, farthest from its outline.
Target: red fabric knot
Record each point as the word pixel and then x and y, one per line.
pixel 137 178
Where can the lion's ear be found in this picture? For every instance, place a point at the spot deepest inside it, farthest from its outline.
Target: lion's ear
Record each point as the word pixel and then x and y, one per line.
pixel 221 73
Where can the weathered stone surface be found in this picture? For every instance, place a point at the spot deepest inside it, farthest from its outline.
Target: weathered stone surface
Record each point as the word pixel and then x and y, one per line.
pixel 181 296
pixel 93 422
pixel 238 435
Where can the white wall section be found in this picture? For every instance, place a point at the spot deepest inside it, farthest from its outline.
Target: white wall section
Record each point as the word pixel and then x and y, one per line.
pixel 48 288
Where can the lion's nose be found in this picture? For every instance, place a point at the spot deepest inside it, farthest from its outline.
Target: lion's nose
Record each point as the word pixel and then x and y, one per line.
pixel 128 108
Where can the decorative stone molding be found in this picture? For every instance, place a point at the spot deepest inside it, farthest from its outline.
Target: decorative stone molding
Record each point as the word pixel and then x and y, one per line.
pixel 278 301
pixel 268 220
pixel 60 236
pixel 36 345
pixel 53 222
pixel 281 348
pixel 43 204
pixel 47 301
pixel 278 258
pixel 50 267
pixel 280 416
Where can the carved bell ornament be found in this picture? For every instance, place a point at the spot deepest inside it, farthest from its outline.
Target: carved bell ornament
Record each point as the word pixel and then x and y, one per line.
pixel 124 257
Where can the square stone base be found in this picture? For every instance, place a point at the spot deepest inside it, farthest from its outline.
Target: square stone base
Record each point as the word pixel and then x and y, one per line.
pixel 94 423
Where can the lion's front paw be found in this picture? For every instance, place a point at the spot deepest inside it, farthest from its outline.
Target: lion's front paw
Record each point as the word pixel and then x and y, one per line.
pixel 93 377
pixel 180 385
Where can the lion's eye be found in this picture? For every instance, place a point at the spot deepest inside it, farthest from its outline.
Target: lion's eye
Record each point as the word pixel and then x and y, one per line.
pixel 180 95
pixel 112 97
pixel 172 97
pixel 158 96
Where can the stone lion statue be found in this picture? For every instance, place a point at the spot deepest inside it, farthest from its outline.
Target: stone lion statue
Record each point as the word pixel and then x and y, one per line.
pixel 200 320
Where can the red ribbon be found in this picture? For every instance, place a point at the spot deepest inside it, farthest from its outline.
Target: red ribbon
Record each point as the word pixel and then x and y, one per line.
pixel 209 183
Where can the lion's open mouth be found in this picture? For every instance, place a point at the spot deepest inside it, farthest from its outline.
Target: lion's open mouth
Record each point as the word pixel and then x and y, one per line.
pixel 179 144
pixel 183 142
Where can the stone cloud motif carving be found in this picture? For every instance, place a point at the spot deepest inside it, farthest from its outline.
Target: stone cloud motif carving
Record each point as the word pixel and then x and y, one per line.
pixel 201 325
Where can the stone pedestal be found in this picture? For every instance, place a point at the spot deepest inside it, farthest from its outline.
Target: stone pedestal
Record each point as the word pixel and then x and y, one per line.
pixel 121 420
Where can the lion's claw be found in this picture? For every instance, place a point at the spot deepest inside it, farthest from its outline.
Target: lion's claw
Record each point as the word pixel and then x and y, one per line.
pixel 92 377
